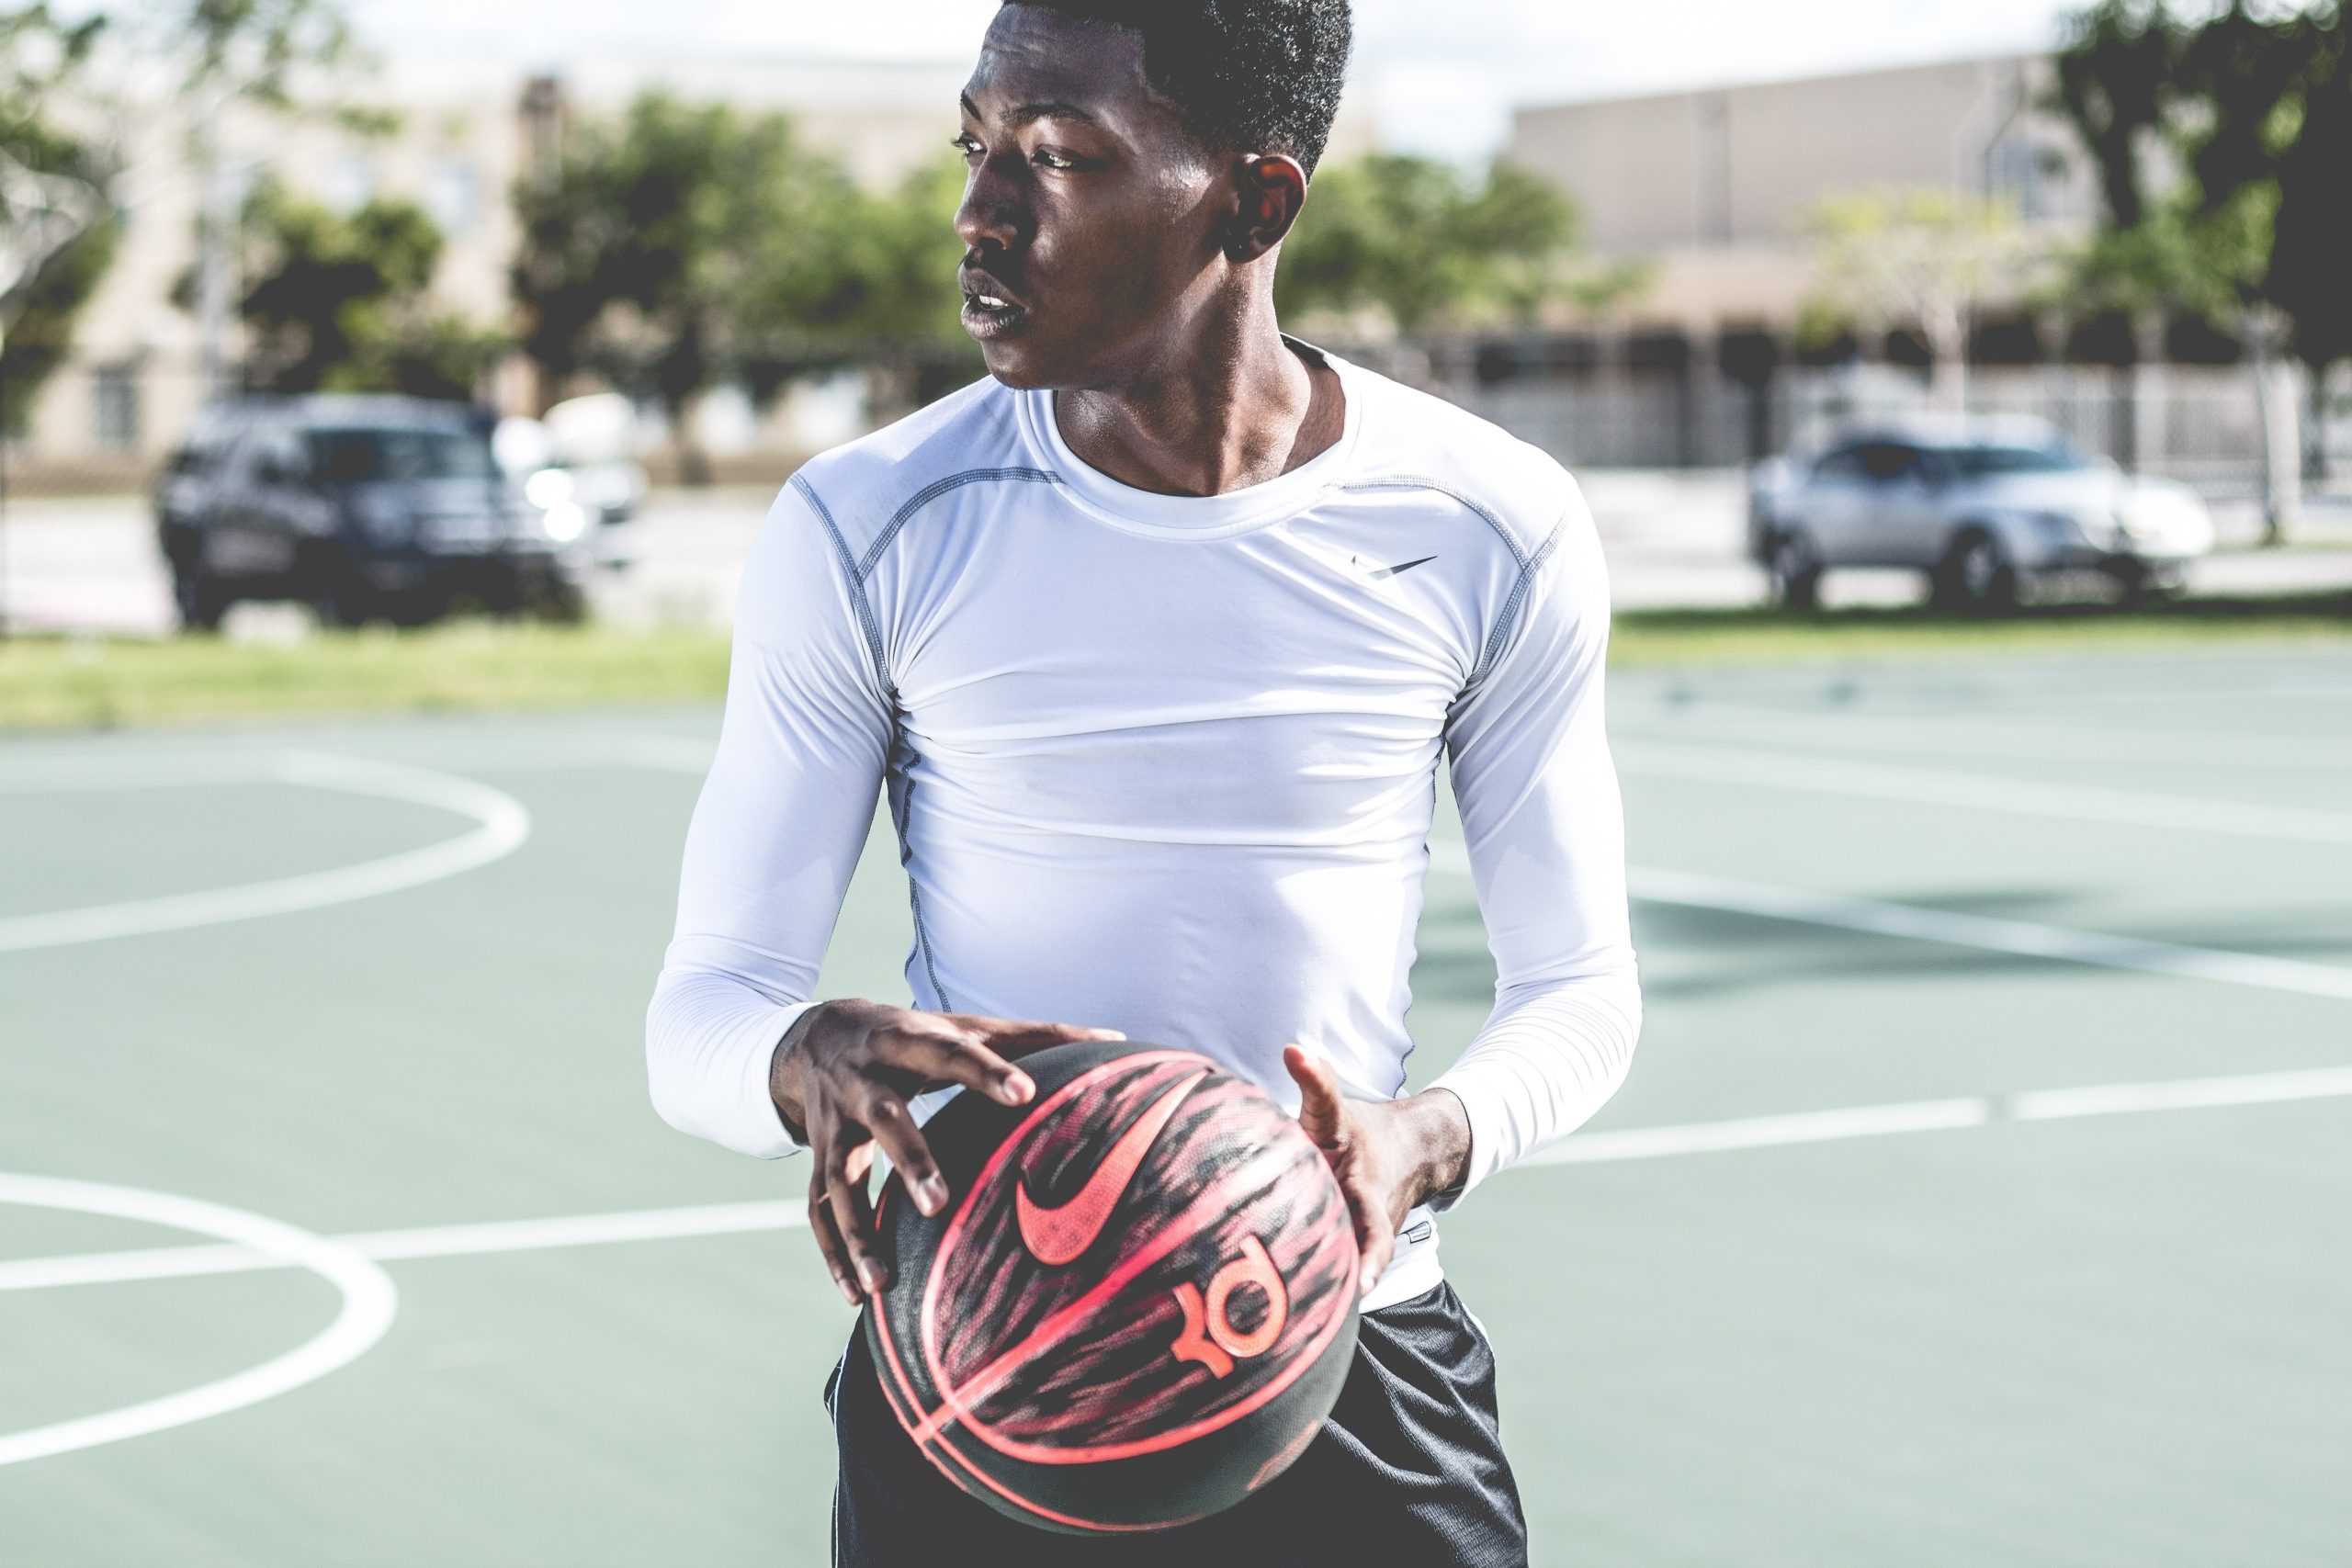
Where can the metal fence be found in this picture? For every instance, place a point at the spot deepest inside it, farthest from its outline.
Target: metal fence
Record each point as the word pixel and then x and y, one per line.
pixel 98 426
pixel 2200 424
pixel 102 426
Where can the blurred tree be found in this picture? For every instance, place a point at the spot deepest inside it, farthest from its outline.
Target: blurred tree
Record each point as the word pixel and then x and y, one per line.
pixel 252 48
pixel 2310 253
pixel 225 50
pixel 645 252
pixel 1920 255
pixel 2220 144
pixel 688 244
pixel 342 302
pixel 57 229
pixel 869 279
pixel 2118 74
pixel 1411 241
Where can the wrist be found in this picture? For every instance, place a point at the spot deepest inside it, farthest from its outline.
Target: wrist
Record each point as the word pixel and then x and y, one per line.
pixel 784 1073
pixel 1436 1129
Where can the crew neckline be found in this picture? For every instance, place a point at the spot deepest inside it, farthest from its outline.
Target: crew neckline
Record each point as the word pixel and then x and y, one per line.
pixel 1197 516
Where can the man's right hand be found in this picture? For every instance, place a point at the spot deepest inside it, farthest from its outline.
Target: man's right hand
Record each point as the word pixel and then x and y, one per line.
pixel 842 1077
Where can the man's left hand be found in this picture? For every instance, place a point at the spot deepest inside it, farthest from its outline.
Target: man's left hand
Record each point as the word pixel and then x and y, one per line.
pixel 1389 1155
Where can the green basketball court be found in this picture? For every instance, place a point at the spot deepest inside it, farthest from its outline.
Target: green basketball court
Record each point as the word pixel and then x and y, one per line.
pixel 1979 1197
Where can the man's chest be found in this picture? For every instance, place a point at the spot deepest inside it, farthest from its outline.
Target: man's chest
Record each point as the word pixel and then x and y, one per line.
pixel 1071 673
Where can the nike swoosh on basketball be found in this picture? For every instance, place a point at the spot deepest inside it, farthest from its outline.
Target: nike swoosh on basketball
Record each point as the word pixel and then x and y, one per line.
pixel 1060 1235
pixel 1376 573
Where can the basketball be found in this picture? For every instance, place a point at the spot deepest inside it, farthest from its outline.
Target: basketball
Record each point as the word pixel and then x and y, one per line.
pixel 1137 1307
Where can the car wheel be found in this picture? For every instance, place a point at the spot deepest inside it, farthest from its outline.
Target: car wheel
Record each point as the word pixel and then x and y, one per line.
pixel 200 599
pixel 1976 575
pixel 1797 571
pixel 340 595
pixel 418 607
pixel 565 604
pixel 2140 584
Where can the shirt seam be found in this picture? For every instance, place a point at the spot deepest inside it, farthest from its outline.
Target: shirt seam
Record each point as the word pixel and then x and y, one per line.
pixel 856 592
pixel 1528 564
pixel 931 492
pixel 1493 653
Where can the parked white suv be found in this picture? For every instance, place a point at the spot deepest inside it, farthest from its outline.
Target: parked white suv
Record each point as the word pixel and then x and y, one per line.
pixel 1976 505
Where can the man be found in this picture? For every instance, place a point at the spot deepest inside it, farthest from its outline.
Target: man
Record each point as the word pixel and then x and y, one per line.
pixel 1155 638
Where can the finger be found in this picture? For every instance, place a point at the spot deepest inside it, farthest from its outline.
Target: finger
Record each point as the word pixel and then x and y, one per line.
pixel 854 1221
pixel 1018 1037
pixel 1376 1242
pixel 1320 1104
pixel 893 1126
pixel 944 1058
pixel 828 1244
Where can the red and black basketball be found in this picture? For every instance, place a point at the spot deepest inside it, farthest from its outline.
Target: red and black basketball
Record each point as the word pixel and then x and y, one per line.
pixel 1140 1304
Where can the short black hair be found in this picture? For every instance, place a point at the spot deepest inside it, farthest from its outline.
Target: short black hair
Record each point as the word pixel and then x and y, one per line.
pixel 1248 75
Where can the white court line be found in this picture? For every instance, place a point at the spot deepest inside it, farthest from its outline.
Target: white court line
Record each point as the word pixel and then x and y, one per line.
pixel 370 1303
pixel 1584 1148
pixel 1937 1115
pixel 1982 933
pixel 503 826
pixel 1979 792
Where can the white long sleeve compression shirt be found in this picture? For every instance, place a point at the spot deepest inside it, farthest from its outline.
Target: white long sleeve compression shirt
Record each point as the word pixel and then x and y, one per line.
pixel 1168 764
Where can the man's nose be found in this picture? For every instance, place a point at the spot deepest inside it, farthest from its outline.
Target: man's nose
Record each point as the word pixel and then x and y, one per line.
pixel 993 212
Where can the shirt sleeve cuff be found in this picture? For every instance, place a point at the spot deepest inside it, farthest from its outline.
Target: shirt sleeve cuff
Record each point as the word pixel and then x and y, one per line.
pixel 759 1126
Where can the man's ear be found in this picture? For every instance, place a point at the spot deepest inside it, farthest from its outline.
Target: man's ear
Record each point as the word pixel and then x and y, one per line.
pixel 1272 188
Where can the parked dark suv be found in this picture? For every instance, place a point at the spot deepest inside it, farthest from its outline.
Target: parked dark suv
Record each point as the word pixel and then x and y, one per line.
pixel 364 507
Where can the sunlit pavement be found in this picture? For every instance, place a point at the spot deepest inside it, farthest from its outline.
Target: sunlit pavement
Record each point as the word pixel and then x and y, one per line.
pixel 89 564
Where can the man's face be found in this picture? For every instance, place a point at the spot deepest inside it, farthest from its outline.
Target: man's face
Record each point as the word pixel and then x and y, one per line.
pixel 1091 217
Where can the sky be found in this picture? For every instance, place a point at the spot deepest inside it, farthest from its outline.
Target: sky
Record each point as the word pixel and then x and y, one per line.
pixel 1442 74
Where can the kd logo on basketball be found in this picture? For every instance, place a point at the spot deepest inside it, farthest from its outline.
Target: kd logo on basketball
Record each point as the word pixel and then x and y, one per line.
pixel 1209 1336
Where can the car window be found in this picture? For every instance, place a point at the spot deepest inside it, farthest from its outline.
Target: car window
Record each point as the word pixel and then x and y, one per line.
pixel 275 457
pixel 243 460
pixel 366 457
pixel 1888 462
pixel 1845 463
pixel 1988 460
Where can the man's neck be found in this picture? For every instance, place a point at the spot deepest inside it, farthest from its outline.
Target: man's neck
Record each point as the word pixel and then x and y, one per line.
pixel 1241 407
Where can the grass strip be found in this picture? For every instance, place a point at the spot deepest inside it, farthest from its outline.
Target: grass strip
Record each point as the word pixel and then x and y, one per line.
pixel 50 683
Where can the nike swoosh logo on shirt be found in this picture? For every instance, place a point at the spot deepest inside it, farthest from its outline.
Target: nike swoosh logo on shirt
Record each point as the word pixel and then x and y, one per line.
pixel 1060 1235
pixel 1376 573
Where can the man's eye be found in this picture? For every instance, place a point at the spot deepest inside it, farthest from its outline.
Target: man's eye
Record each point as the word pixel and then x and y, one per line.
pixel 967 144
pixel 1046 157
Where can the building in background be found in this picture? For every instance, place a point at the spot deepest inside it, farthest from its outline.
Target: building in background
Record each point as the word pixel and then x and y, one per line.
pixel 1736 349
pixel 1715 187
pixel 453 147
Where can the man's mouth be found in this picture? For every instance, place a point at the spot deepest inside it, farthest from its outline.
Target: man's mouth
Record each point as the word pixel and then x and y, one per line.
pixel 989 311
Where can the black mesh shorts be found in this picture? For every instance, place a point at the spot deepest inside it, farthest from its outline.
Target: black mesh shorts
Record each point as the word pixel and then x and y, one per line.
pixel 1409 1469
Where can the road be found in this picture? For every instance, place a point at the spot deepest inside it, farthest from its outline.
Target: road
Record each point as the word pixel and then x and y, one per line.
pixel 88 564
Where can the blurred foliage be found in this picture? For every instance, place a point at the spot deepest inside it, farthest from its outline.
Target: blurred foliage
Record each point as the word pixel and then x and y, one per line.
pixel 39 321
pixel 60 180
pixel 252 48
pixel 687 245
pixel 1414 241
pixel 2222 142
pixel 342 302
pixel 1917 255
pixel 57 227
